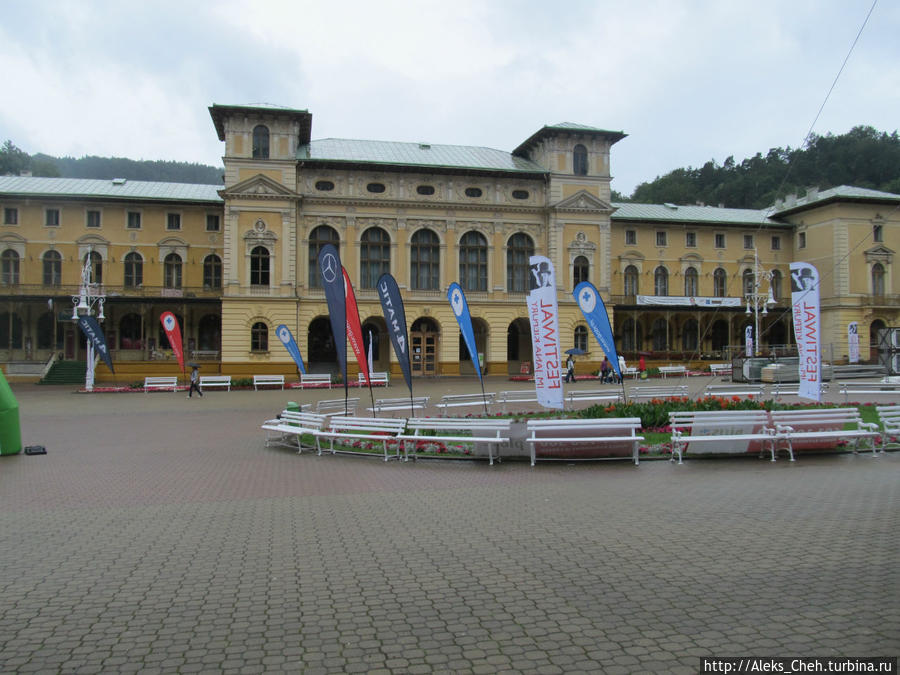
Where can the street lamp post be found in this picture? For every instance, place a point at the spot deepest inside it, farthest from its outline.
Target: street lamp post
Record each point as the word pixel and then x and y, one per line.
pixel 757 301
pixel 90 298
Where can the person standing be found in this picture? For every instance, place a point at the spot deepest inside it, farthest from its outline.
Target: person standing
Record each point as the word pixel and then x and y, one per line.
pixel 604 371
pixel 195 382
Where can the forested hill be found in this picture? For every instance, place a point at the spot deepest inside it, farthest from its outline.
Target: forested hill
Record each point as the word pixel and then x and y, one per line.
pixel 863 157
pixel 14 161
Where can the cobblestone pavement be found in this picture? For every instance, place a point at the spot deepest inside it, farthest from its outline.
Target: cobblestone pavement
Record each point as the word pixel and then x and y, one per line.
pixel 159 535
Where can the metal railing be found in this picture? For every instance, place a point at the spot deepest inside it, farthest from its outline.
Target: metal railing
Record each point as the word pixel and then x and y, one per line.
pixel 109 290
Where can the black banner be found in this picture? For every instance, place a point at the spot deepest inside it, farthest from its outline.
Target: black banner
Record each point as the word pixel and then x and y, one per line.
pixel 333 282
pixel 94 333
pixel 395 317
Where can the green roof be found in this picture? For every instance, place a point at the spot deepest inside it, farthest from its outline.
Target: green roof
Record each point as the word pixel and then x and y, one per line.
pixel 568 127
pixel 417 155
pixel 73 188
pixel 814 198
pixel 674 213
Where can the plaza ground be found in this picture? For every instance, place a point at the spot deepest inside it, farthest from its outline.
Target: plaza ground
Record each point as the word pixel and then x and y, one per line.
pixel 159 535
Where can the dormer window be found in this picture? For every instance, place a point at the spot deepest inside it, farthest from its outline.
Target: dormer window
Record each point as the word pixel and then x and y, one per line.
pixel 580 160
pixel 260 142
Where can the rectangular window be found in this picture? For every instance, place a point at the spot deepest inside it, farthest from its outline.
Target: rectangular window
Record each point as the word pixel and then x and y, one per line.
pixel 52 218
pixel 748 241
pixel 212 222
pixel 877 233
pixel 720 240
pixel 690 239
pixel 660 238
pixel 134 220
pixel 10 216
pixel 801 240
pixel 776 243
pixel 630 237
pixel 173 221
pixel 92 219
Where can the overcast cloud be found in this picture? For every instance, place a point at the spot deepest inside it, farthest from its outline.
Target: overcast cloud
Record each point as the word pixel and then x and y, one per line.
pixel 687 81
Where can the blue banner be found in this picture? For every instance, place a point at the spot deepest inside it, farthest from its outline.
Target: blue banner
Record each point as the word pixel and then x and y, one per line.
pixel 395 317
pixel 287 339
pixel 333 282
pixel 591 305
pixel 461 309
pixel 94 333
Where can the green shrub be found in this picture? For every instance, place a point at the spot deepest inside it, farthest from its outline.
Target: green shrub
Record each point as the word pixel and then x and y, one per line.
pixel 654 413
pixel 242 382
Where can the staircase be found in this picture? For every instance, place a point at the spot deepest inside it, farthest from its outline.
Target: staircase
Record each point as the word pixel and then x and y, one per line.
pixel 66 372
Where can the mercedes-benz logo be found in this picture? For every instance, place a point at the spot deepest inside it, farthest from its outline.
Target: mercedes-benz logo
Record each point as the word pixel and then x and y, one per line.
pixel 329 268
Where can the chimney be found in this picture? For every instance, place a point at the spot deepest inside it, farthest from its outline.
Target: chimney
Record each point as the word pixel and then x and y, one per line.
pixel 25 173
pixel 790 200
pixel 812 193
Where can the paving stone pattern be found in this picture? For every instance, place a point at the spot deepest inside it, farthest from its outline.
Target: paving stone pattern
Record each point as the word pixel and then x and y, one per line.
pixel 159 535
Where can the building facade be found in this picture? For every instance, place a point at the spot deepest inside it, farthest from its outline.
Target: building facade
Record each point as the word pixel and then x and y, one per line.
pixel 233 262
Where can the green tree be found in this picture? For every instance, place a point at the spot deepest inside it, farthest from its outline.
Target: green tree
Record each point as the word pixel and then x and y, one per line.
pixel 13 160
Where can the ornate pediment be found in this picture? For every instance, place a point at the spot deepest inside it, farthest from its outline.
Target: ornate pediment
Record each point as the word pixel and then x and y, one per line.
pixel 879 253
pixel 583 201
pixel 92 240
pixel 258 187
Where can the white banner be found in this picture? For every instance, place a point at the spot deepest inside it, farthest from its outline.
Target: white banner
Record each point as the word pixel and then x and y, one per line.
pixel 807 328
pixel 853 341
pixel 689 300
pixel 748 340
pixel 543 313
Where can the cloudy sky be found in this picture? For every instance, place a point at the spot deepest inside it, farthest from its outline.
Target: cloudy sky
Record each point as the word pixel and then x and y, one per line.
pixel 687 80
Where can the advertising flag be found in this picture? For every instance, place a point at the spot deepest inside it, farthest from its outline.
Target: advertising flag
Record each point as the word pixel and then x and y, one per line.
pixel 173 332
pixel 807 327
pixel 354 329
pixel 94 333
pixel 287 339
pixel 461 309
pixel 395 317
pixel 543 312
pixel 748 340
pixel 853 341
pixel 591 305
pixel 333 282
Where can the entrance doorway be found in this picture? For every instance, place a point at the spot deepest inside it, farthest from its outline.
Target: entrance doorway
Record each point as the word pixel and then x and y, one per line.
pixel 424 337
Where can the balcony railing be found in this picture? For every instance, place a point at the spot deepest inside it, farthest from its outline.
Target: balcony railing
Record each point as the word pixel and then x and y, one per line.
pixel 110 291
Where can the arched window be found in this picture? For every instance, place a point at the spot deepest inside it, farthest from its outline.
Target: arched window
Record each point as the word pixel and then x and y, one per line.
pixel 720 282
pixel 9 264
pixel 259 266
pixel 580 160
pixel 52 264
pixel 259 337
pixel 96 267
pixel 632 280
pixel 374 256
pixel 212 271
pixel 473 261
pixel 320 236
pixel 425 261
pixel 579 270
pixel 10 331
pixel 661 281
pixel 877 279
pixel 660 334
pixel 749 282
pixel 691 282
pixel 775 284
pixel 689 335
pixel 260 142
pixel 581 338
pixel 130 332
pixel 519 249
pixel 134 269
pixel 172 271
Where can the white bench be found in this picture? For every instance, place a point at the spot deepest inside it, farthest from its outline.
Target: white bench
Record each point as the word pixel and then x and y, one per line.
pixel 315 379
pixel 465 400
pixel 375 379
pixel 720 432
pixel 518 396
pixel 889 416
pixel 658 391
pixel 338 406
pixel 631 370
pixel 467 430
pixel 780 389
pixel 592 395
pixel 391 404
pixel 869 389
pixel 672 370
pixel 355 430
pixel 595 433
pixel 293 424
pixel 729 390
pixel 828 425
pixel 720 368
pixel 165 383
pixel 207 381
pixel 267 381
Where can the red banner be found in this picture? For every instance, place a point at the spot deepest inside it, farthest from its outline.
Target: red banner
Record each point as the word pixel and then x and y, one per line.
pixel 354 329
pixel 173 332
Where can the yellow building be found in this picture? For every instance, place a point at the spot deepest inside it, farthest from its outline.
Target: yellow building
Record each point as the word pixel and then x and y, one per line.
pixel 235 261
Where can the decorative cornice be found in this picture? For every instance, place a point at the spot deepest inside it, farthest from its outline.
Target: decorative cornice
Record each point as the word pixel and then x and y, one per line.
pixel 259 186
pixel 582 201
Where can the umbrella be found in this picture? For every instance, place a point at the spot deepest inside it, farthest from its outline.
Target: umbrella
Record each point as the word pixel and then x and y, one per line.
pixel 576 351
pixel 193 364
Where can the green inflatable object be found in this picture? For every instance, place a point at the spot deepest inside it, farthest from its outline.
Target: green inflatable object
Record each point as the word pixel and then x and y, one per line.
pixel 10 432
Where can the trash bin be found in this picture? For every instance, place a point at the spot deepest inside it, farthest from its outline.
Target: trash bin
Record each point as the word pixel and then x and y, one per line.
pixel 292 406
pixel 10 431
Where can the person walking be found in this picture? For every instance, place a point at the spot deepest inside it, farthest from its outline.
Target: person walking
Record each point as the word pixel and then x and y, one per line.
pixel 195 382
pixel 570 369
